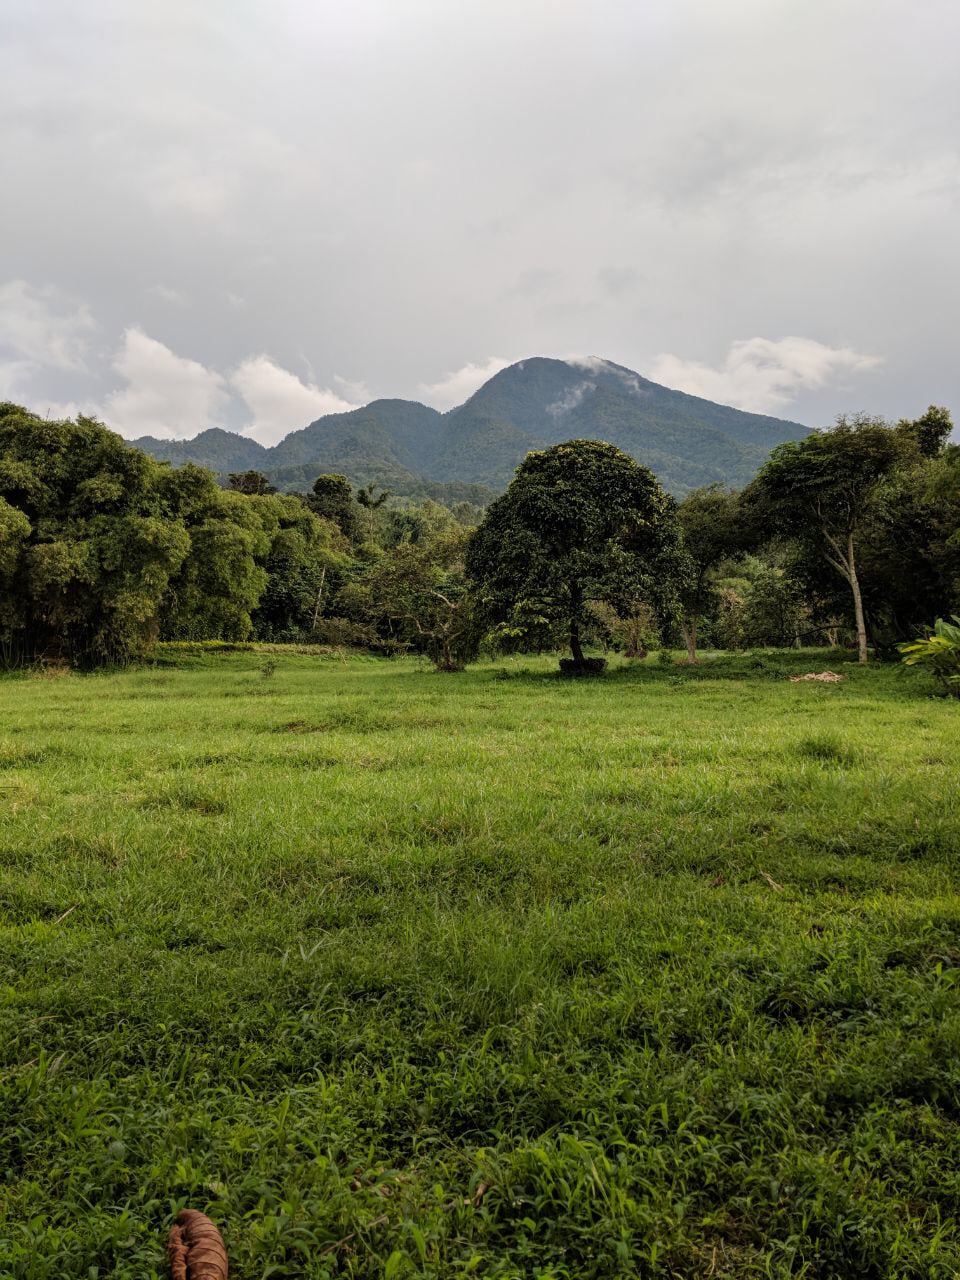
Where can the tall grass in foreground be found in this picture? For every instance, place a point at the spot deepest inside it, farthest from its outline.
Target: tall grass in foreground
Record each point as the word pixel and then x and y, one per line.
pixel 399 974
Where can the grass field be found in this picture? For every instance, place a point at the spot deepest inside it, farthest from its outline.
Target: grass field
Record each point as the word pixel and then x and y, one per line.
pixel 399 974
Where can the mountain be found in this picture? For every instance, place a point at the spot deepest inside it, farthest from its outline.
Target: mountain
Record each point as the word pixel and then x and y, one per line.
pixel 214 448
pixel 474 449
pixel 685 440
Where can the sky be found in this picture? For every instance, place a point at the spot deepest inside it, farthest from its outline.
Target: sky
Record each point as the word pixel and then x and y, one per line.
pixel 248 214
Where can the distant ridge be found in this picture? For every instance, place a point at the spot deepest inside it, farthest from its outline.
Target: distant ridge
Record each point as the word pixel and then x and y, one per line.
pixel 472 451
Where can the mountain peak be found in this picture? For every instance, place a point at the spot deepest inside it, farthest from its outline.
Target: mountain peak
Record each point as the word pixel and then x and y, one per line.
pixel 531 404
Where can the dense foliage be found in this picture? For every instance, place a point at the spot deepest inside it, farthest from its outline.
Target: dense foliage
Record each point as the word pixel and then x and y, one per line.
pixel 939 652
pixel 713 532
pixel 91 544
pixel 822 489
pixel 849 536
pixel 580 522
pixel 103 550
pixel 857 499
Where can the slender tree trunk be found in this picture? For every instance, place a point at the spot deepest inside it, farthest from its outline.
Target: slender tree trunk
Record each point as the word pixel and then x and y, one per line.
pixel 844 561
pixel 857 603
pixel 689 630
pixel 446 662
pixel 316 607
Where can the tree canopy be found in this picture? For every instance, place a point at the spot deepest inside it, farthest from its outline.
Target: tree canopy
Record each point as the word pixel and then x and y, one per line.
pixel 88 570
pixel 580 522
pixel 822 487
pixel 713 530
pixel 332 497
pixel 102 549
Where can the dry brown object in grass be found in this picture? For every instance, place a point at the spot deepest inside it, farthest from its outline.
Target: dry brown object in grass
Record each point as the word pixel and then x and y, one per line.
pixel 825 677
pixel 195 1248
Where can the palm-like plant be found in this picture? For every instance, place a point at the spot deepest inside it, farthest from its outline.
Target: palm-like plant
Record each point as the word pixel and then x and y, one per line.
pixel 939 651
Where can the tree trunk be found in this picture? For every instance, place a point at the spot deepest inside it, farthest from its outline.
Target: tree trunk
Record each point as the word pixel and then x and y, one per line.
pixel 689 630
pixel 316 607
pixel 575 647
pixel 576 600
pixel 844 561
pixel 445 660
pixel 857 603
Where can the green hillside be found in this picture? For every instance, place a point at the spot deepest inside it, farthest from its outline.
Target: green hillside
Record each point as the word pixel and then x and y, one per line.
pixel 413 450
pixel 217 449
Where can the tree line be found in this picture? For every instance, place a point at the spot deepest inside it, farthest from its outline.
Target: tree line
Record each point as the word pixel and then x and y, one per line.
pixel 849 536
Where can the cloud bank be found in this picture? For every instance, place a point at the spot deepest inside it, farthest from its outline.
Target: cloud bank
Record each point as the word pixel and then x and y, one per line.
pixel 41 329
pixel 688 173
pixel 762 374
pixel 455 387
pixel 46 334
pixel 166 395
pixel 279 402
pixel 170 396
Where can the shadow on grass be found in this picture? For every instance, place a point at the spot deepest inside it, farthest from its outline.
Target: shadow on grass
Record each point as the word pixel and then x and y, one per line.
pixel 776 664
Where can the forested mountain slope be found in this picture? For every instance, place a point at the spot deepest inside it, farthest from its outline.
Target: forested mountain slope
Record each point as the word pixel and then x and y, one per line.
pixel 405 446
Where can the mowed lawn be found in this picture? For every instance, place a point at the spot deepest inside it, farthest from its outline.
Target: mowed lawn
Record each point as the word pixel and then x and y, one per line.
pixel 399 974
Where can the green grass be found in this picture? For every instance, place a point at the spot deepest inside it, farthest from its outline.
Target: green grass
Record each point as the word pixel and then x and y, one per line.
pixel 500 975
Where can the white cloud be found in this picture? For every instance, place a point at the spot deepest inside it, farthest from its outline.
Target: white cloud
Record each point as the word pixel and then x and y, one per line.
pixel 762 374
pixel 596 364
pixel 166 395
pixel 279 401
pixel 14 374
pixel 461 384
pixel 42 328
pixel 572 397
pixel 165 294
pixel 358 392
pixel 179 185
pixel 59 409
pixel 593 364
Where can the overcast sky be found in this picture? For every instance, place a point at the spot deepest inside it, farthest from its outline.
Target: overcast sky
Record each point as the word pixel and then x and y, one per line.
pixel 248 214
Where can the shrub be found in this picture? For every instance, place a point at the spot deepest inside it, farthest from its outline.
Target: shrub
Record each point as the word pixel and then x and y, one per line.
pixel 344 633
pixel 634 631
pixel 939 652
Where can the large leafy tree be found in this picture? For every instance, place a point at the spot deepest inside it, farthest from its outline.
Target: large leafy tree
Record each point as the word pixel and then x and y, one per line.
pixel 256 565
pixel 250 482
pixel 930 432
pixel 223 575
pixel 908 568
pixel 332 498
pixel 580 522
pixel 945 490
pixel 713 531
pixel 96 544
pixel 102 549
pixel 823 489
pixel 306 562
pixel 14 532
